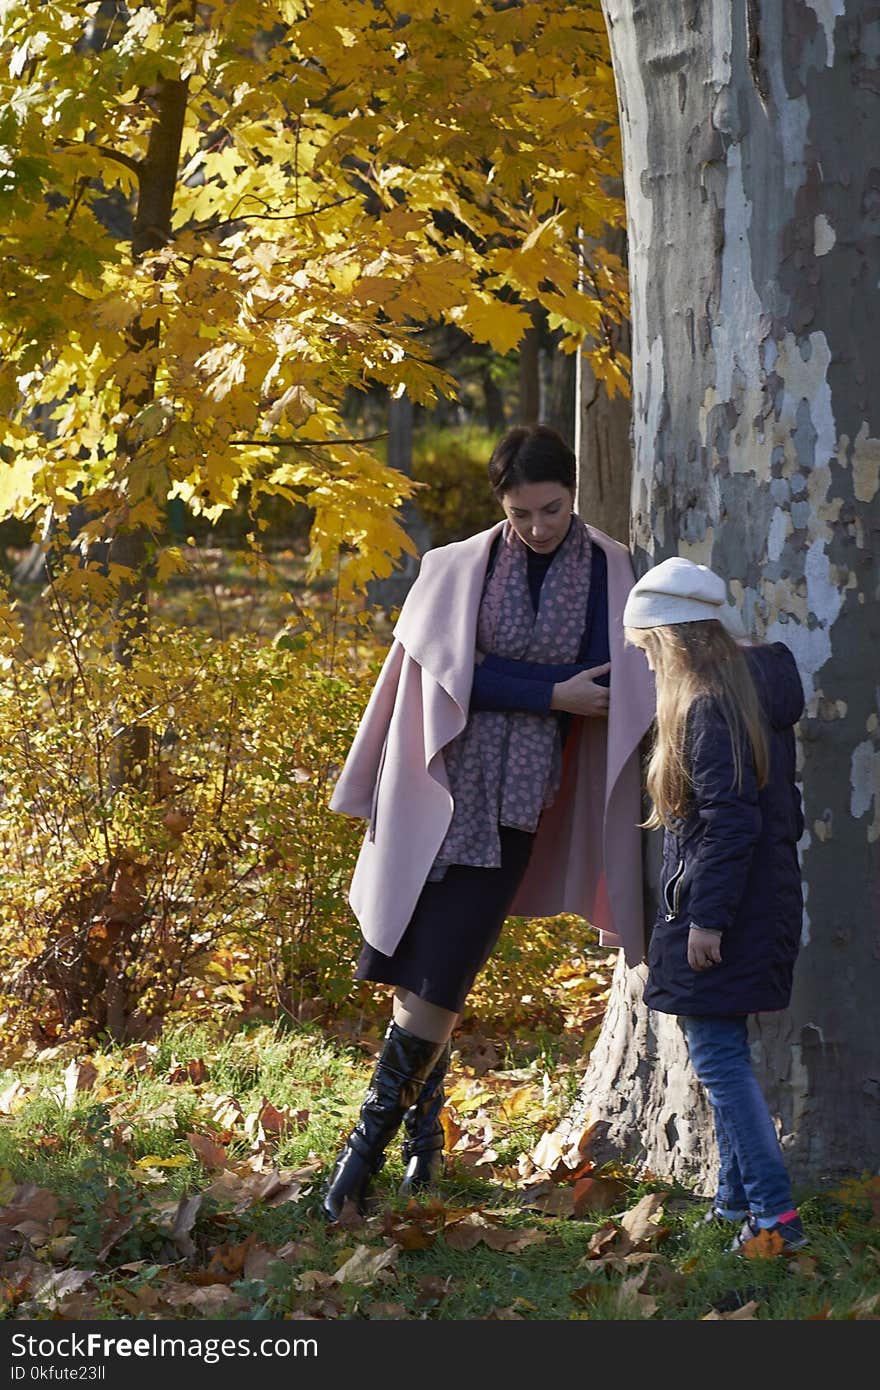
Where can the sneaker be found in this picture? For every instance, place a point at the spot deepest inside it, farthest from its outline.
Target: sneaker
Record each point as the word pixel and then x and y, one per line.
pixel 755 1240
pixel 715 1217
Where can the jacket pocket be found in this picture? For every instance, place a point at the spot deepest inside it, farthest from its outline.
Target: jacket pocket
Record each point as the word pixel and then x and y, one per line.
pixel 371 828
pixel 672 891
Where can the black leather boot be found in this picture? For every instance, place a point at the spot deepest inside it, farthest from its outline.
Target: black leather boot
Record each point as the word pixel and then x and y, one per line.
pixel 404 1063
pixel 423 1145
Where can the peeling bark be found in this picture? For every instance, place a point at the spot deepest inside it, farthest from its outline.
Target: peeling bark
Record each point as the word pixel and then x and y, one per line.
pixel 752 181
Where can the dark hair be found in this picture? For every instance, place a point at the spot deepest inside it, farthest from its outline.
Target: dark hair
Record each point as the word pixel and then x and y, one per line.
pixel 531 454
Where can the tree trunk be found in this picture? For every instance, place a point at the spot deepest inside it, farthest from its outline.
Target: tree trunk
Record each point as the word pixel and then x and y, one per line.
pixel 556 372
pixel 389 593
pixel 529 373
pixel 752 185
pixel 603 438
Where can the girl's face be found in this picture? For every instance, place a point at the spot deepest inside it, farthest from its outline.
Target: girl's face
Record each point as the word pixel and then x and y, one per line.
pixel 540 513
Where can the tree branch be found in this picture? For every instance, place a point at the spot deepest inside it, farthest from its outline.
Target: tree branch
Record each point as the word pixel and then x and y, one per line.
pixel 118 158
pixel 309 443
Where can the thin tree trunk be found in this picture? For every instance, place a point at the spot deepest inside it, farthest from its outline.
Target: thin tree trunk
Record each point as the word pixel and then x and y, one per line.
pixel 389 593
pixel 529 374
pixel 603 437
pixel 751 179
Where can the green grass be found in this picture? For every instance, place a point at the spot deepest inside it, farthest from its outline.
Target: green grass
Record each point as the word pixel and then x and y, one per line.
pixel 114 1212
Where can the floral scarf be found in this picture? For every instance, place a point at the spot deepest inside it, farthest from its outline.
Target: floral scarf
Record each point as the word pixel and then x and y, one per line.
pixel 505 767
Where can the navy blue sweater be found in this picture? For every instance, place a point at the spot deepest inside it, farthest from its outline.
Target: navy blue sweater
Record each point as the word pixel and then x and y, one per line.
pixel 731 865
pixel 504 684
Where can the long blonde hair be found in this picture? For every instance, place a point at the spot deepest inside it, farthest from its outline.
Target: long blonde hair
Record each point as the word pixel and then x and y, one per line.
pixel 691 660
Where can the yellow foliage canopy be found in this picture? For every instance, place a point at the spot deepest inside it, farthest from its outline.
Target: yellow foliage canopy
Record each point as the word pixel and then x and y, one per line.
pixel 336 178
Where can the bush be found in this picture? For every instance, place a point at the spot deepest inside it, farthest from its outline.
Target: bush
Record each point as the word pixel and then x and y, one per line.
pixel 456 500
pixel 211 875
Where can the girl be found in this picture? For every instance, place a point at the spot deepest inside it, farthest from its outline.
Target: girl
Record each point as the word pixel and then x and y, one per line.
pixel 722 782
pixel 489 761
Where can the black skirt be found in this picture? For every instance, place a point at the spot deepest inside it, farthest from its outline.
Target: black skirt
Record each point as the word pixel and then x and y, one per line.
pixel 454 927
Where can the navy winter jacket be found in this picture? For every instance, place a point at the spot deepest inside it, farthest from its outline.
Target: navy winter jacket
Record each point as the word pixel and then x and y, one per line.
pixel 732 863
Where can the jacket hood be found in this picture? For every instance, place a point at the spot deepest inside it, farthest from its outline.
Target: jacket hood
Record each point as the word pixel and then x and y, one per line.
pixel 777 682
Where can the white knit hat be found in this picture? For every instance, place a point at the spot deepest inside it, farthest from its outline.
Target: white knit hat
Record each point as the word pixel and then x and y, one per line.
pixel 678 591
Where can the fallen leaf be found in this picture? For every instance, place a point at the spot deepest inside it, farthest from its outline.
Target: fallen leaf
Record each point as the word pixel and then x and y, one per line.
pixel 208 1299
pixel 641 1222
pixel 745 1313
pixel 551 1199
pixel 766 1245
pixel 311 1279
pixel 432 1289
pixel 53 1287
pixel 513 1241
pixel 596 1194
pixel 206 1151
pixel 547 1153
pixel 394 1311
pixel 365 1264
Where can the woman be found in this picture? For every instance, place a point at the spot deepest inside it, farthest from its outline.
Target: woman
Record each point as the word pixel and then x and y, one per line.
pixel 491 763
pixel 722 782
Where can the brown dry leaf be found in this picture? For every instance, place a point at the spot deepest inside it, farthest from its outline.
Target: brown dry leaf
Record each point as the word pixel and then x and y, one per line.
pixel 601 1241
pixel 312 1279
pixel 230 1259
pixel 411 1236
pixel 394 1311
pixel 365 1264
pixel 196 1071
pixel 588 1294
pixel 641 1222
pixel 551 1199
pixel 30 1212
pixel 596 1194
pixel 349 1218
pixel 177 1220
pixel 578 1147
pixel 433 1289
pixel 465 1234
pixel 52 1288
pixel 805 1264
pixel 259 1258
pixel 630 1293
pixel 297 1251
pixel 744 1314
pixel 547 1153
pixel 660 1276
pixel 115 1229
pixel 766 1245
pixel 137 1302
pixel 210 1299
pixel 274 1121
pixel 209 1153
pixel 227 1111
pixel 513 1241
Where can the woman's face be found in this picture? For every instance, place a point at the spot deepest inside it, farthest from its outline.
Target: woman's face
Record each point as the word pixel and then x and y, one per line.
pixel 540 513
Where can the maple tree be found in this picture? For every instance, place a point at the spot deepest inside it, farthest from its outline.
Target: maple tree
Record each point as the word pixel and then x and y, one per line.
pixel 222 218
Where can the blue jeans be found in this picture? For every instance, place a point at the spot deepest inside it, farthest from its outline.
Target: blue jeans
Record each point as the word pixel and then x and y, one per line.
pixel 752 1173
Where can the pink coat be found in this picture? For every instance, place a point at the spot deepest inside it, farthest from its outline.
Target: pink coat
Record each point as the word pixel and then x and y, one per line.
pixel 587 856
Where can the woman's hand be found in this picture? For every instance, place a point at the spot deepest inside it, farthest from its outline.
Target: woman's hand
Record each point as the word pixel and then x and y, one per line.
pixel 704 948
pixel 581 695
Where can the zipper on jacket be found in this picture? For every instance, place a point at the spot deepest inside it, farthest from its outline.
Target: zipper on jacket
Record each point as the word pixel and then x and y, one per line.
pixel 675 884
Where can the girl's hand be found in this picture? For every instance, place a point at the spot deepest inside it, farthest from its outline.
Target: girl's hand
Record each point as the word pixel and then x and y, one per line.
pixel 704 948
pixel 581 695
